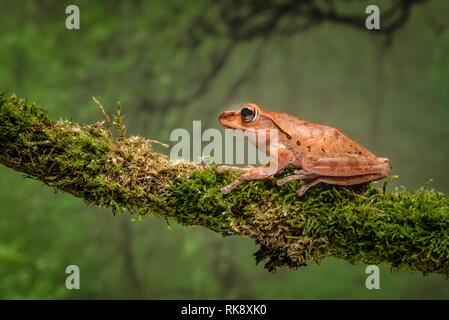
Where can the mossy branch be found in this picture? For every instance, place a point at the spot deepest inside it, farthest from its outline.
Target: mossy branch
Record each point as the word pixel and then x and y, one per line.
pixel 406 230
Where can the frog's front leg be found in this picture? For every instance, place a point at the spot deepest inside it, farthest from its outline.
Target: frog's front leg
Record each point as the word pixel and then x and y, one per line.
pixel 221 169
pixel 258 173
pixel 284 158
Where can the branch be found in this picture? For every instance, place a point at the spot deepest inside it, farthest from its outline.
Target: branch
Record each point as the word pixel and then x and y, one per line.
pixel 405 230
pixel 257 18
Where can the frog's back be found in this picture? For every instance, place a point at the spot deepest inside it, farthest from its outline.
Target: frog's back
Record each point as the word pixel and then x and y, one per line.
pixel 320 138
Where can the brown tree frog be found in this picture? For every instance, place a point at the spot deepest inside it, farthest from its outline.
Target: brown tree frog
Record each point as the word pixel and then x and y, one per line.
pixel 322 153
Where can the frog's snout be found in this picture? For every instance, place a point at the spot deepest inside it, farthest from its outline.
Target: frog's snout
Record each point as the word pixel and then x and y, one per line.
pixel 227 119
pixel 225 115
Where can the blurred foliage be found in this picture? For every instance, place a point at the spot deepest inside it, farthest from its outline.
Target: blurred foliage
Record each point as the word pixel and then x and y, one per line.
pixel 393 99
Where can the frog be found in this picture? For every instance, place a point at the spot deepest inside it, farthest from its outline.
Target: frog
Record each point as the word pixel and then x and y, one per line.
pixel 318 153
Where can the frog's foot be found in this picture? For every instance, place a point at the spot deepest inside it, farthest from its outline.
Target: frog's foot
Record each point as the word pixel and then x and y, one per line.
pixel 307 184
pixel 225 190
pixel 300 175
pixel 306 174
pixel 239 180
pixel 221 169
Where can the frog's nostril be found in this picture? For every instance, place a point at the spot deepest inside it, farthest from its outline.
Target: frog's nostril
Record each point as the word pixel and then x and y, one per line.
pixel 225 115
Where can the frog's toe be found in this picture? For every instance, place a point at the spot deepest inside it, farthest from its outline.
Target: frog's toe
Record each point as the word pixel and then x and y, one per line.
pixel 305 174
pixel 307 184
pixel 224 190
pixel 282 181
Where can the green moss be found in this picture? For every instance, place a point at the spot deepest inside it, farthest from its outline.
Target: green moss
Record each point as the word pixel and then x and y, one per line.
pixel 406 230
pixel 57 153
pixel 198 201
pixel 360 224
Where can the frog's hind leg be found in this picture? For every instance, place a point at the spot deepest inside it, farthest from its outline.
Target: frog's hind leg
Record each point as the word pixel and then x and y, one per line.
pixel 352 180
pixel 309 179
pixel 299 175
pixel 341 181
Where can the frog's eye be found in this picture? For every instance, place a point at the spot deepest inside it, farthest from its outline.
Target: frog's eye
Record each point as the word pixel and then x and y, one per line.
pixel 248 113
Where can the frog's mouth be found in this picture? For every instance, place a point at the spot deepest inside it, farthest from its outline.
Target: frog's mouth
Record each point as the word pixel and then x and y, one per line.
pixel 228 127
pixel 246 131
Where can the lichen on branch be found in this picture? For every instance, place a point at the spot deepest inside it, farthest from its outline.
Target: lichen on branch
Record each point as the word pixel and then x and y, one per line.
pixel 402 229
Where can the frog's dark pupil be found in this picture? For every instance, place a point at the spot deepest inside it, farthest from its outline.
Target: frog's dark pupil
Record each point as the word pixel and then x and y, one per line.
pixel 246 112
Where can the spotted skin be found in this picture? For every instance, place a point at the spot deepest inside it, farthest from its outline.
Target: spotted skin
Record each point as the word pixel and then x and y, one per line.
pixel 324 153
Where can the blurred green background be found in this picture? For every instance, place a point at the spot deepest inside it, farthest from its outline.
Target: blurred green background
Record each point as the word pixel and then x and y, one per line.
pixel 172 62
